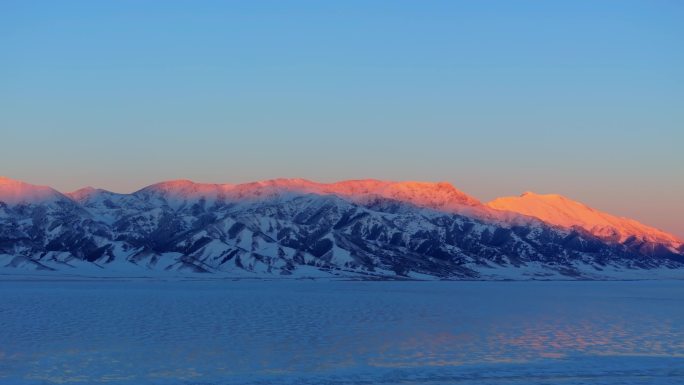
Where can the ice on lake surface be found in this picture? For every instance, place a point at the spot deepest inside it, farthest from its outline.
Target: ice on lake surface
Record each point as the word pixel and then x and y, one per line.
pixel 323 332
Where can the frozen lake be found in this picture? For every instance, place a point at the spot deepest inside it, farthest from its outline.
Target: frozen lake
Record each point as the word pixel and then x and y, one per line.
pixel 318 332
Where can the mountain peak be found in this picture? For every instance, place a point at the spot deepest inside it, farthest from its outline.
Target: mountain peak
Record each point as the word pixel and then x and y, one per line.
pixel 565 212
pixel 439 195
pixel 8 181
pixel 185 185
pixel 173 184
pixel 88 192
pixel 548 197
pixel 15 192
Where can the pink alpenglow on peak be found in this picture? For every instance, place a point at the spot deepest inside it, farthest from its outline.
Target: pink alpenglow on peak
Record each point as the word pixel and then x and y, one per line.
pixel 564 212
pixel 85 193
pixel 440 196
pixel 16 192
pixel 183 188
pixel 526 209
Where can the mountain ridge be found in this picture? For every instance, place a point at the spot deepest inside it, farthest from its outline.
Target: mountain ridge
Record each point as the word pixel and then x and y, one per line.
pixel 565 212
pixel 292 226
pixel 353 188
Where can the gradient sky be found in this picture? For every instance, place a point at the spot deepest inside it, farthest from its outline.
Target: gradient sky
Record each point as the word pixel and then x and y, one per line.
pixel 581 98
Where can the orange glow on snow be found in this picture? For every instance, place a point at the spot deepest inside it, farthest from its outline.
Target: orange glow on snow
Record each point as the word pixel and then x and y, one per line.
pixel 564 212
pixel 553 209
pixel 14 191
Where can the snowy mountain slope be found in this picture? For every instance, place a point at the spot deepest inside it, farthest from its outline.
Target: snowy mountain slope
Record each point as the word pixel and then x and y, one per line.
pixel 295 227
pixel 14 192
pixel 564 212
pixel 441 196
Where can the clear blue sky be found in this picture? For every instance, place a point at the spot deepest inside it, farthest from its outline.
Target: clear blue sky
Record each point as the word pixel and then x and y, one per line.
pixel 582 98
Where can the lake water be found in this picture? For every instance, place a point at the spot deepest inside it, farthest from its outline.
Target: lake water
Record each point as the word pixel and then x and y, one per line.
pixel 322 332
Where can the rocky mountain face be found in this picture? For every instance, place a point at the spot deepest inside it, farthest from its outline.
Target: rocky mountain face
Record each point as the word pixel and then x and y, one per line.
pixel 298 228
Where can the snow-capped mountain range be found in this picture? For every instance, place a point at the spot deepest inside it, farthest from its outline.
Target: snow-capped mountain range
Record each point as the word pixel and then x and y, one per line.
pixel 299 228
